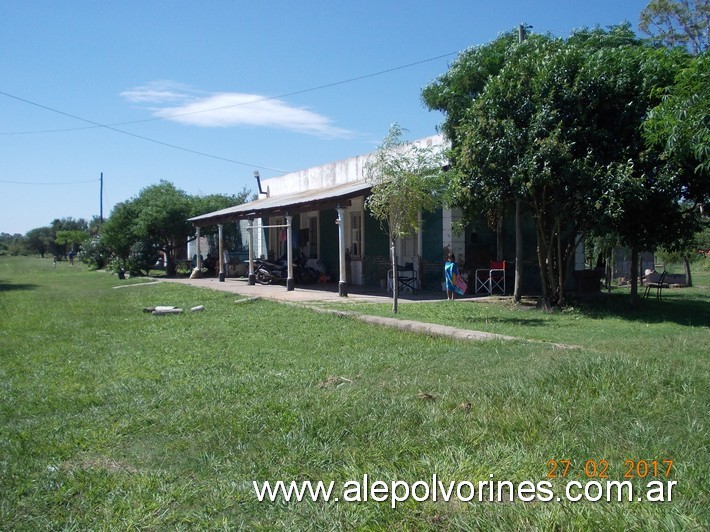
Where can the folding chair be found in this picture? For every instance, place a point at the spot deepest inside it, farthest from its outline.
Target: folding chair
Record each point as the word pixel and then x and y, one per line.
pixel 407 277
pixel 491 279
pixel 658 285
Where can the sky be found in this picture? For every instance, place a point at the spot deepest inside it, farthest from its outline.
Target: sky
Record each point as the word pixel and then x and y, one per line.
pixel 203 93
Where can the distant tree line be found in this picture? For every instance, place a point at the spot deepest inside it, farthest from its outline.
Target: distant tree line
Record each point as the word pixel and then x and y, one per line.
pixel 136 234
pixel 58 239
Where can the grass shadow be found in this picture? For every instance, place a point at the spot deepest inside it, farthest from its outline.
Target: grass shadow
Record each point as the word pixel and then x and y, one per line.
pixel 7 287
pixel 690 312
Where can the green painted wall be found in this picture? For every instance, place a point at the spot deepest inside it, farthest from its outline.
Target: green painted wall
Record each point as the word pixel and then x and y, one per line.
pixel 328 242
pixel 376 241
pixel 481 249
pixel 432 236
pixel 432 251
pixel 375 262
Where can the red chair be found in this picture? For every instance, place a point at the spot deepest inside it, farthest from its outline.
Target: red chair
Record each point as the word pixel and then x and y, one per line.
pixel 491 279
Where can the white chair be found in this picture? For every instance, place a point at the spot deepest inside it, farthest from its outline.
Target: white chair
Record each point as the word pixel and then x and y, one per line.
pixel 490 280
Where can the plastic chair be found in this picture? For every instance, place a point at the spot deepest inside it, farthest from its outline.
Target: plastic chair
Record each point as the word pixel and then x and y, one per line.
pixel 491 279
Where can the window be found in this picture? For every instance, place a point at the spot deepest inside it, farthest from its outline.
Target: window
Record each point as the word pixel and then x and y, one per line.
pixel 356 235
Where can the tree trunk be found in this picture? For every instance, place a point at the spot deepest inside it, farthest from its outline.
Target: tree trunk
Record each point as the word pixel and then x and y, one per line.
pixel 634 276
pixel 541 255
pixel 395 277
pixel 499 236
pixel 550 270
pixel 518 251
pixel 561 266
pixel 170 266
pixel 688 277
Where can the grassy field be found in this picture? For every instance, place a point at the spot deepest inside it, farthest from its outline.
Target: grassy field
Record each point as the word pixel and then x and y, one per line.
pixel 111 418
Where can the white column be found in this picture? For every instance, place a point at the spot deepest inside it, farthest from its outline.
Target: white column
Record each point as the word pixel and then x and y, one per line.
pixel 342 284
pixel 252 278
pixel 289 253
pixel 455 242
pixel 220 227
pixel 198 260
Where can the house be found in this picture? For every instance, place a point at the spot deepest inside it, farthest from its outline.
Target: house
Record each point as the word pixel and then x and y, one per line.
pixel 321 213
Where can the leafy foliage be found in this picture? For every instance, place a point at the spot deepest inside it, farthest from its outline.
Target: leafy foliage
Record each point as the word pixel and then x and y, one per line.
pixel 156 221
pixel 558 125
pixel 406 179
pixel 680 124
pixel 678 23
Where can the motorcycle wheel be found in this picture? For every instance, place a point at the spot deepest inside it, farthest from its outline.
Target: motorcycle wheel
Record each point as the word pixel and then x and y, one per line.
pixel 310 275
pixel 263 277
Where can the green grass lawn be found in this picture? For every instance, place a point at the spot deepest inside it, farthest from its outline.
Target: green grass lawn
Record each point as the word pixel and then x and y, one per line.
pixel 111 418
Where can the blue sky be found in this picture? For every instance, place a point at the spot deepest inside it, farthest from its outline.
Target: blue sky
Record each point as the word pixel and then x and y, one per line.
pixel 202 93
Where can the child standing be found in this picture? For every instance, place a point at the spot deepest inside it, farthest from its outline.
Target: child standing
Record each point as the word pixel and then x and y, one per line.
pixel 451 273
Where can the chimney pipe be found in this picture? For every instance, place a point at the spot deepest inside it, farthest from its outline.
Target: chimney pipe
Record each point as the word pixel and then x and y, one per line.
pixel 258 181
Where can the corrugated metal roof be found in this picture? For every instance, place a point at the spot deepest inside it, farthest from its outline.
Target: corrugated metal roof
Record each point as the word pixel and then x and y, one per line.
pixel 292 203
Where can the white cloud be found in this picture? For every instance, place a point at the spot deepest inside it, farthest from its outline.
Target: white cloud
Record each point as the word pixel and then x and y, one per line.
pixel 229 109
pixel 158 92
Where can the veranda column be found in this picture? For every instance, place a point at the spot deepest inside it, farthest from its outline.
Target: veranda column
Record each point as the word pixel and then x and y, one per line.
pixel 342 283
pixel 220 227
pixel 252 277
pixel 289 253
pixel 198 259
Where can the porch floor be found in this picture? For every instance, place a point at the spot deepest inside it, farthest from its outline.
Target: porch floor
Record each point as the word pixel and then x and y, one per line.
pixel 313 292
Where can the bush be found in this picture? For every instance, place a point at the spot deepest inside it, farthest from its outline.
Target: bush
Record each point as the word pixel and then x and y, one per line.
pixel 94 253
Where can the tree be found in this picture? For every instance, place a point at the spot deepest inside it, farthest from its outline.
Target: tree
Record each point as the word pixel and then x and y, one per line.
pixel 72 238
pixel 692 252
pixel 68 232
pixel 680 127
pixel 406 179
pixel 118 232
pixel 678 23
pixel 162 220
pixel 12 244
pixel 39 240
pixel 155 221
pixel 553 127
pixel 214 202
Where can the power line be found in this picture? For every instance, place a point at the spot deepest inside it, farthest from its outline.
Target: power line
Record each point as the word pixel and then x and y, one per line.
pixel 250 102
pixel 174 146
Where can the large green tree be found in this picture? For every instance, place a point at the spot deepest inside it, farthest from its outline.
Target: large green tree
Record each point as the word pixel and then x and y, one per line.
pixel 118 232
pixel 162 220
pixel 680 127
pixel 156 221
pixel 553 127
pixel 40 240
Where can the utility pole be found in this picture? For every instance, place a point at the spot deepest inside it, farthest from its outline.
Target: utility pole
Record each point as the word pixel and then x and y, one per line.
pixel 519 215
pixel 101 199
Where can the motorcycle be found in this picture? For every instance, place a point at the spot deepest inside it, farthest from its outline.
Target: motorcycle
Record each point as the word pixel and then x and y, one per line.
pixel 269 272
pixel 273 272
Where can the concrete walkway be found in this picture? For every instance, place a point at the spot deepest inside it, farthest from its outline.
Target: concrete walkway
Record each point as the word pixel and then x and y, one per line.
pixel 310 295
pixel 315 293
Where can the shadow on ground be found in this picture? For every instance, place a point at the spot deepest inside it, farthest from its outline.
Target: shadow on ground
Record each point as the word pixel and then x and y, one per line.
pixel 7 287
pixel 691 312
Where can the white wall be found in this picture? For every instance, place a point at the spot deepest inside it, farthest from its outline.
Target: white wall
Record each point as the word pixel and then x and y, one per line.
pixel 330 174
